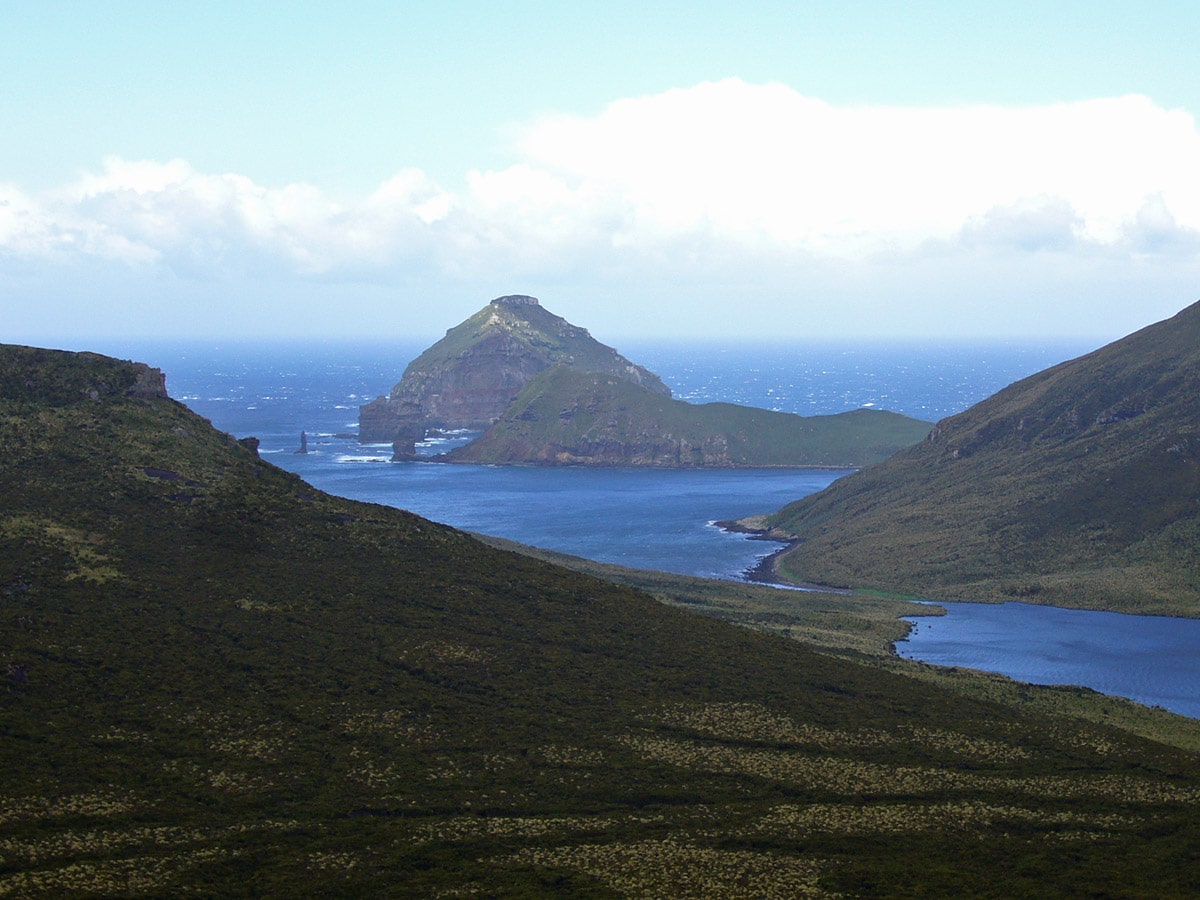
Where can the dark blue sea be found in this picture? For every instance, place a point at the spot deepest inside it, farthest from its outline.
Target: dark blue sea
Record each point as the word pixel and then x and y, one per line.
pixel 664 519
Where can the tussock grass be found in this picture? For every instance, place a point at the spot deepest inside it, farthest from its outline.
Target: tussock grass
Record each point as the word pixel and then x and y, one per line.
pixel 401 709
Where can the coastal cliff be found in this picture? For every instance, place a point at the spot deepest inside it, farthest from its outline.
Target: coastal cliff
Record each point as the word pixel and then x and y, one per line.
pixel 469 377
pixel 543 391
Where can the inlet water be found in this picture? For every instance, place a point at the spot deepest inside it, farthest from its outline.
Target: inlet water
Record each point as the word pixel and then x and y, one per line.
pixel 1154 660
pixel 661 519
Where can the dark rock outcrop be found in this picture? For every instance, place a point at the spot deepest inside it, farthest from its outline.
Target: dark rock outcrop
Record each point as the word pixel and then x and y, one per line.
pixel 149 383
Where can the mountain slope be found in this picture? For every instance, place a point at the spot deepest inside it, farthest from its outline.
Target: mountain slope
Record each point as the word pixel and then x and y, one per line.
pixel 468 378
pixel 1077 486
pixel 217 680
pixel 568 417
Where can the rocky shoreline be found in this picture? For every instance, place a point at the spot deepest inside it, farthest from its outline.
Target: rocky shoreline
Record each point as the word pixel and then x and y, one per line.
pixel 765 571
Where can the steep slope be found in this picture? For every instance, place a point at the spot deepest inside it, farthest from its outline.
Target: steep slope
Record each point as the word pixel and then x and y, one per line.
pixel 567 417
pixel 468 378
pixel 1079 485
pixel 219 681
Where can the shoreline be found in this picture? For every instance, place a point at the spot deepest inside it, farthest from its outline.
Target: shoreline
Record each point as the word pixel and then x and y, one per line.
pixel 766 570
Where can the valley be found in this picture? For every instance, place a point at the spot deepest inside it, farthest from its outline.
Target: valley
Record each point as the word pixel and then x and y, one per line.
pixel 219 677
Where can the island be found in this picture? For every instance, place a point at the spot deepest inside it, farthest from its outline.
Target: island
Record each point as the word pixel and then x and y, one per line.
pixel 542 391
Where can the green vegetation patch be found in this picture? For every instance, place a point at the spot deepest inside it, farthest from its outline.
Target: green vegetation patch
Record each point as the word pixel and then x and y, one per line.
pixel 568 417
pixel 1078 486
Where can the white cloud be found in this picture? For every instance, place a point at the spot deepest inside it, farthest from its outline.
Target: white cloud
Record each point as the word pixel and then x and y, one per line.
pixel 145 212
pixel 1153 230
pixel 723 182
pixel 24 227
pixel 763 163
pixel 1039 224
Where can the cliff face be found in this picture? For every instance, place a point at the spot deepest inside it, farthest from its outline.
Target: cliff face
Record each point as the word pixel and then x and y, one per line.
pixel 566 417
pixel 62 379
pixel 469 378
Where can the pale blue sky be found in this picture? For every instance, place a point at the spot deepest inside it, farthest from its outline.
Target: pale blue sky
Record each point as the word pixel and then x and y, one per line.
pixel 216 168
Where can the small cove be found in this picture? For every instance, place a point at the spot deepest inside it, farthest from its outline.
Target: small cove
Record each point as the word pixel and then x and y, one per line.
pixel 1154 660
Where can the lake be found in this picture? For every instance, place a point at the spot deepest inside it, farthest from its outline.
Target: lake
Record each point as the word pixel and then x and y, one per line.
pixel 1151 659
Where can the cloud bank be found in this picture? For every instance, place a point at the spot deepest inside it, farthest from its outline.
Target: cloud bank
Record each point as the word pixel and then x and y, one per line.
pixel 712 181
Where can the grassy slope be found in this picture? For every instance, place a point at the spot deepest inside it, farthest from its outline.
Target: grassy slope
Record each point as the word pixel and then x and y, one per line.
pixel 1078 486
pixel 218 679
pixel 863 627
pixel 857 627
pixel 565 416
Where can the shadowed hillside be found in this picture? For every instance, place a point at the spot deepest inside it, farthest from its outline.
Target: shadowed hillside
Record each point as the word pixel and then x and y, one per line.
pixel 1078 486
pixel 218 680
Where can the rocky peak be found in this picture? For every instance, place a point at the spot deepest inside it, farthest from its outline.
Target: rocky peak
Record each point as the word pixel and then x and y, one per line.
pixel 467 379
pixel 515 300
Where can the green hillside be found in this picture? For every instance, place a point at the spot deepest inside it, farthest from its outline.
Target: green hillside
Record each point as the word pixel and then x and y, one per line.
pixel 1078 486
pixel 567 417
pixel 218 681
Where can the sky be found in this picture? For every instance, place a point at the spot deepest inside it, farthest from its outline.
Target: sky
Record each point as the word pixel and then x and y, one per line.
pixel 716 171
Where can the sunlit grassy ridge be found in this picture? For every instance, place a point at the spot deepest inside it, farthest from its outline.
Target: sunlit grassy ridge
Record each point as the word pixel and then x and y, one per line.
pixel 1078 486
pixel 568 417
pixel 271 691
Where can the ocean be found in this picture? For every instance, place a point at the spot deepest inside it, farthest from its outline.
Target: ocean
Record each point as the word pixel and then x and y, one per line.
pixel 662 519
